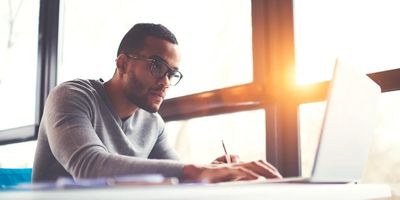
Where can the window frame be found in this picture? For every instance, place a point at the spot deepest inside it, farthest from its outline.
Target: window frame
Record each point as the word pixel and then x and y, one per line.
pixel 273 61
pixel 46 71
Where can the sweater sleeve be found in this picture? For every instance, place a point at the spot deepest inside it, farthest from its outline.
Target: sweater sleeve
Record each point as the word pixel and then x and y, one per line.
pixel 76 146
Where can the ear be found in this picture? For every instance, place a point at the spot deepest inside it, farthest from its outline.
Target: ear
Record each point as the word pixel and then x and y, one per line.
pixel 122 63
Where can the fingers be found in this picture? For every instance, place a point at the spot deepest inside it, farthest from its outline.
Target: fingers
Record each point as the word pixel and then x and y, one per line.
pixel 262 168
pixel 235 158
pixel 222 173
pixel 217 173
pixel 216 162
pixel 230 173
pixel 219 160
pixel 222 159
pixel 245 174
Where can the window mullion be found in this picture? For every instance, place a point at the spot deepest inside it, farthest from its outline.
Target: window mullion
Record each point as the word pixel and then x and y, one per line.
pixel 47 53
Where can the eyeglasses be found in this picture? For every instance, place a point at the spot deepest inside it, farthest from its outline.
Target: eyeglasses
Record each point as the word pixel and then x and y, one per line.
pixel 160 68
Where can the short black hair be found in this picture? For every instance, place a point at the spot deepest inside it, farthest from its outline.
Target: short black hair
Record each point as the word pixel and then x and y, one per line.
pixel 134 38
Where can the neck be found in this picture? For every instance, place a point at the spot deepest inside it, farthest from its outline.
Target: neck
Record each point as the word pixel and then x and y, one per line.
pixel 120 103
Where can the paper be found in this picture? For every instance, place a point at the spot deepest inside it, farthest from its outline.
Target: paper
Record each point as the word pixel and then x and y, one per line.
pixel 130 180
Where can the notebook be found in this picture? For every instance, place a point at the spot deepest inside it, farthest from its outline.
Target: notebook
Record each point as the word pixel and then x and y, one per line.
pixel 347 129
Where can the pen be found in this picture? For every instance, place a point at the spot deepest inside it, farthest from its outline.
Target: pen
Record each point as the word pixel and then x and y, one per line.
pixel 227 157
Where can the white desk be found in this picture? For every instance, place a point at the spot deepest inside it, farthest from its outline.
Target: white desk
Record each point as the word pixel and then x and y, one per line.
pixel 230 192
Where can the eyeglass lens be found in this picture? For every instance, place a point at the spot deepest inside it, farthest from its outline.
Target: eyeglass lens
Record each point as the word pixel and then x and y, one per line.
pixel 160 69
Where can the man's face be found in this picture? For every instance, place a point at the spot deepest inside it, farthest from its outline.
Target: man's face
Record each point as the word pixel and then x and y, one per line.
pixel 141 87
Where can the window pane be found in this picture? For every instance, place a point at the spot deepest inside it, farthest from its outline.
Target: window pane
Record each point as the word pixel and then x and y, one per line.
pixel 361 31
pixel 383 162
pixel 214 37
pixel 311 117
pixel 18 155
pixel 199 140
pixel 18 62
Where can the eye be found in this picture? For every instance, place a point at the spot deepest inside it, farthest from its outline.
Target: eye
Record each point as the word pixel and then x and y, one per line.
pixel 174 74
pixel 157 67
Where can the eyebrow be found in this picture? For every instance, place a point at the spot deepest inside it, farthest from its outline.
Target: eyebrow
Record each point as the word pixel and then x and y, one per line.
pixel 158 58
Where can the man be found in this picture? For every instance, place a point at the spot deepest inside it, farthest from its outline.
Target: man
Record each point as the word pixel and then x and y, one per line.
pixel 95 129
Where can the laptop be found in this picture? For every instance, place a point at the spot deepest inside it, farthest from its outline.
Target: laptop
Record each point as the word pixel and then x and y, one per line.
pixel 347 129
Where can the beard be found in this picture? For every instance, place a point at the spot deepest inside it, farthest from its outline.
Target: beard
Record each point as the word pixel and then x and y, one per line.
pixel 138 94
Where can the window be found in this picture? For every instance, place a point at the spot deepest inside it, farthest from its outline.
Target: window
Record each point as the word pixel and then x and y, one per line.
pixel 215 43
pixel 19 22
pixel 199 140
pixel 226 61
pixel 359 32
pixel 383 158
pixel 216 46
pixel 311 118
pixel 17 155
pixel 246 48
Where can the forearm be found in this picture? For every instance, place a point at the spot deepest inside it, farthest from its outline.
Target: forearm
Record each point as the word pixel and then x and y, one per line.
pixel 95 163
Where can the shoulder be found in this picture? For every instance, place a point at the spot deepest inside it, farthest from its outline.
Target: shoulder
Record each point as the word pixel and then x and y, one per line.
pixel 78 91
pixel 84 85
pixel 76 87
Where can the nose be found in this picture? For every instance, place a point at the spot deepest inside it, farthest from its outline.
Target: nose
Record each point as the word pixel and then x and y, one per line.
pixel 164 81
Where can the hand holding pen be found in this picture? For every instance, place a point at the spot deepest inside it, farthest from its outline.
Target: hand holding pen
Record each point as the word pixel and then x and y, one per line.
pixel 226 158
pixel 229 168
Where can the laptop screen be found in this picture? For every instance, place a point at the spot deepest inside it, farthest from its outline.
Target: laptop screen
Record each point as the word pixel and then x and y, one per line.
pixel 348 126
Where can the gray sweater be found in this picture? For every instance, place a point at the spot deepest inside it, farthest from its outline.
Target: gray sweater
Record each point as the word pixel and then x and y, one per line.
pixel 81 136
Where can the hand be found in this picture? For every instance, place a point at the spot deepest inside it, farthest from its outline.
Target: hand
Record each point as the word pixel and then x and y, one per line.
pixel 234 172
pixel 222 159
pixel 262 168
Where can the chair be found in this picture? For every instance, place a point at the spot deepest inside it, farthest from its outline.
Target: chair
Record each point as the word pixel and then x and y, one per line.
pixel 11 177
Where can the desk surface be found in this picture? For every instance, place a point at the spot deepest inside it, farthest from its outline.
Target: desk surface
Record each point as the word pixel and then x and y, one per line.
pixel 239 191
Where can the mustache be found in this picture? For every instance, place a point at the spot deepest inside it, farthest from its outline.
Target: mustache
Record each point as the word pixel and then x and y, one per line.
pixel 159 91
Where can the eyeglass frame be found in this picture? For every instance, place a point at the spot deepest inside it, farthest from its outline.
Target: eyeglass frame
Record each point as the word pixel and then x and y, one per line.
pixel 170 72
